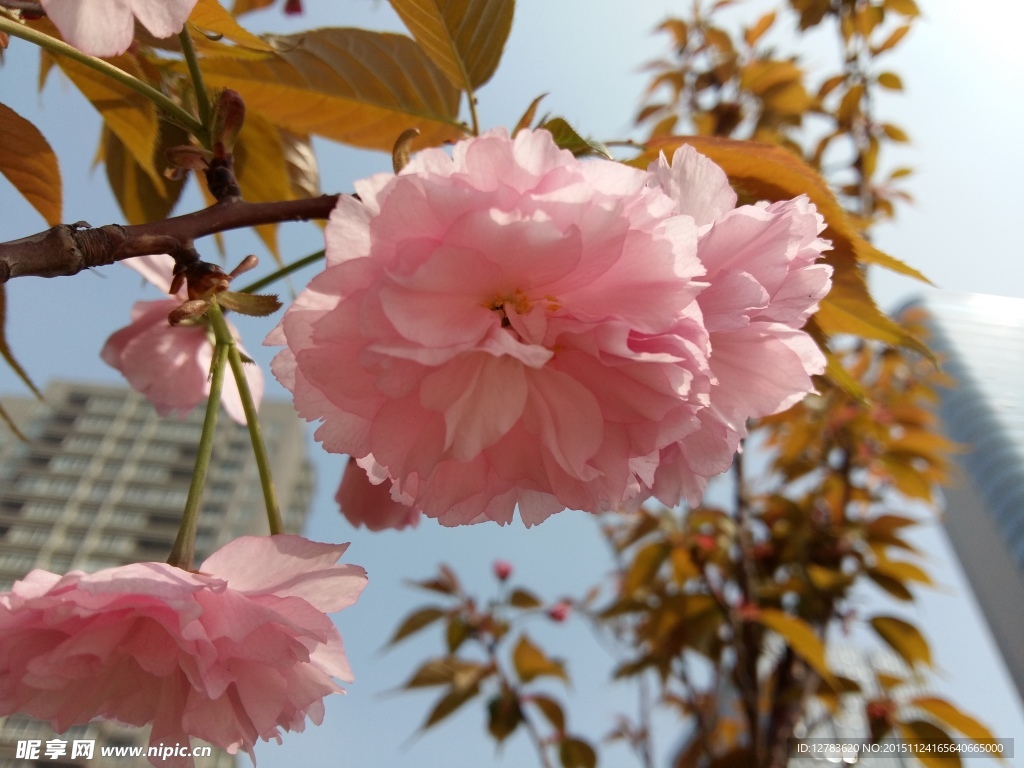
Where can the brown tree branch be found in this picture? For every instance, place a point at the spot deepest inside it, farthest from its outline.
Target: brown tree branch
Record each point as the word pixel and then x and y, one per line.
pixel 67 249
pixel 31 7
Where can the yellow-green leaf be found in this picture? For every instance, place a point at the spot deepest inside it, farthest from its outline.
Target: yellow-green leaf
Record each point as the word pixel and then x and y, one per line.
pixel 8 356
pixel 528 115
pixel 262 171
pixel 551 710
pixel 210 16
pixel 301 162
pixel 904 638
pixel 450 702
pixel 29 163
pixel 905 7
pixel 566 137
pixel 893 586
pixel 948 714
pixel 350 85
pixel 247 6
pixel 464 38
pixel 504 715
pixel 893 40
pixel 953 717
pixel 753 34
pixel 416 621
pixel 446 671
pixel 935 745
pixel 141 199
pixel 891 81
pixel 531 662
pixel 903 571
pixel 522 598
pixel 895 133
pixel 131 117
pixel 800 637
pixel 645 566
pixel 576 753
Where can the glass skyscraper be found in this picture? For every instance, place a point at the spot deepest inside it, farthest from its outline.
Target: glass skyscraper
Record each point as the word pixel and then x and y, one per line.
pixel 980 341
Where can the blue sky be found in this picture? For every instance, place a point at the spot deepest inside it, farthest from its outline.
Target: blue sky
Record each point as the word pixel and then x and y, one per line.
pixel 964 120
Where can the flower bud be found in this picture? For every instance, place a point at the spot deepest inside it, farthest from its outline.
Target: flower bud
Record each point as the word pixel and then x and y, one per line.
pixel 559 611
pixel 502 569
pixel 228 117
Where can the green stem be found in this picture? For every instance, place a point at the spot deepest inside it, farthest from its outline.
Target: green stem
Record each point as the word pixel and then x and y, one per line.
pixel 220 329
pixel 284 271
pixel 471 98
pixel 202 95
pixel 54 45
pixel 183 553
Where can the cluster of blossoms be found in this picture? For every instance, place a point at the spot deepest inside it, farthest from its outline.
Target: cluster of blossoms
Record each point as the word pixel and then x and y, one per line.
pixel 230 654
pixel 168 364
pixel 507 326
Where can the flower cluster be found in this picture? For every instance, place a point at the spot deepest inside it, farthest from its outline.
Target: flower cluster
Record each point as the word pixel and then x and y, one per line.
pixel 230 654
pixel 168 364
pixel 105 28
pixel 508 326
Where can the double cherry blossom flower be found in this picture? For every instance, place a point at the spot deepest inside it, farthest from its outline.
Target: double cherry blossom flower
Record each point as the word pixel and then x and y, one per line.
pixel 168 364
pixel 232 653
pixel 508 326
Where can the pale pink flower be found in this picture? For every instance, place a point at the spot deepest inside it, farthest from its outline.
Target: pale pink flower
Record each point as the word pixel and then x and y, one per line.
pixel 503 326
pixel 107 27
pixel 230 654
pixel 367 500
pixel 764 283
pixel 168 364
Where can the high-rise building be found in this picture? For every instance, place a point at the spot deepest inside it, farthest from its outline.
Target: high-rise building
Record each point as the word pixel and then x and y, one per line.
pixel 980 340
pixel 102 482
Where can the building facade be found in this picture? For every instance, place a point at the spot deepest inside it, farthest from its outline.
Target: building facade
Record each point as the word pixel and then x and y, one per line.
pixel 980 342
pixel 102 482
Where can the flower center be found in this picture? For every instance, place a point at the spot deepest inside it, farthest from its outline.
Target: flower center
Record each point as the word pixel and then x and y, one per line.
pixel 500 304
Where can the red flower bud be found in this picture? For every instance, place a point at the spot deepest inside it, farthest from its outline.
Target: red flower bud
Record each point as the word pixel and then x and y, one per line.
pixel 502 569
pixel 559 611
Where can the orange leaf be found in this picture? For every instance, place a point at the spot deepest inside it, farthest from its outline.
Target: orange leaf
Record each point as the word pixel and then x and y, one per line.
pixel 464 39
pixel 904 638
pixel 800 637
pixel 531 662
pixel 351 85
pixel 29 164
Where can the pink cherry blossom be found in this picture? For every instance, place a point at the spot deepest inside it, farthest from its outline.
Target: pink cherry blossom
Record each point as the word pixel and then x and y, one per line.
pixel 232 653
pixel 764 283
pixel 168 364
pixel 107 27
pixel 368 501
pixel 503 326
pixel 509 326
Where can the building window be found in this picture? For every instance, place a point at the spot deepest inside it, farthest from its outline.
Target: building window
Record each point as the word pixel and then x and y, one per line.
pixel 126 518
pixel 28 536
pixel 153 473
pixel 42 510
pixel 70 463
pixel 16 562
pixel 83 443
pixel 49 486
pixel 115 543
